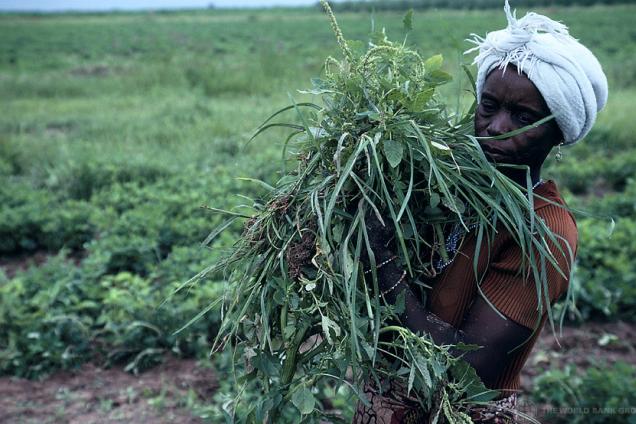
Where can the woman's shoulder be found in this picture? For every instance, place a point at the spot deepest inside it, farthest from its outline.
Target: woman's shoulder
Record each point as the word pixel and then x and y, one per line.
pixel 550 206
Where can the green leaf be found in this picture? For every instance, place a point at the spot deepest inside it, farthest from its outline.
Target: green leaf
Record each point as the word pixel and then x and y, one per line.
pixel 367 348
pixel 433 63
pixel 267 364
pixel 257 181
pixel 421 99
pixel 411 380
pixel 408 21
pixel 347 264
pixel 433 213
pixel 454 203
pixel 422 367
pixel 337 233
pixel 471 383
pixel 440 146
pixel 394 151
pixel 400 303
pixel 372 115
pixel 435 199
pixel 304 400
pixel 438 368
pixel 357 47
pixel 439 77
pixel 328 323
pixel 218 230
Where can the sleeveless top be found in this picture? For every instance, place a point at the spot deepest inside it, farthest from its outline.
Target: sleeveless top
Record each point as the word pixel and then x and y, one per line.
pixel 503 281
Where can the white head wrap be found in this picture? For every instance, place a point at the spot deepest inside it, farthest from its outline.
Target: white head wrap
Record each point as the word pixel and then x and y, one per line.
pixel 565 72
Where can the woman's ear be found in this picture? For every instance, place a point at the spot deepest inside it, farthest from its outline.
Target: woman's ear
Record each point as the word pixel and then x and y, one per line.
pixel 559 139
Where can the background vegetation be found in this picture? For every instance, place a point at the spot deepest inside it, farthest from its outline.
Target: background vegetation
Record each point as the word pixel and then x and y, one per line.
pixel 455 4
pixel 116 128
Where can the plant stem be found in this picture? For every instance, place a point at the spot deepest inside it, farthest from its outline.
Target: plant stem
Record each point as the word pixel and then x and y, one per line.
pixel 289 365
pixel 336 29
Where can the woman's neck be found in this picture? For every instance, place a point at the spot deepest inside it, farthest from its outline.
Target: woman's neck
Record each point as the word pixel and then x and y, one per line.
pixel 520 176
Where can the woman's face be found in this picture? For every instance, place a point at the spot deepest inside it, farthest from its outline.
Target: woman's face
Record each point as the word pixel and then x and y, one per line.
pixel 510 101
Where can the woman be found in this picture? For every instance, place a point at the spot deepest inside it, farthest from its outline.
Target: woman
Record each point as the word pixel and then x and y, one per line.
pixel 526 72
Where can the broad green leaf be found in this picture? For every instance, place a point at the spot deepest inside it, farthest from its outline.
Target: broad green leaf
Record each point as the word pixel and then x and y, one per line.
pixel 439 77
pixel 433 213
pixel 434 200
pixel 454 203
pixel 421 99
pixel 304 400
pixel 472 384
pixel 266 363
pixel 372 115
pixel 433 63
pixel 422 367
pixel 394 151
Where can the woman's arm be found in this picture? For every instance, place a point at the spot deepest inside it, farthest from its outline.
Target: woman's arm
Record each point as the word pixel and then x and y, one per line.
pixel 482 325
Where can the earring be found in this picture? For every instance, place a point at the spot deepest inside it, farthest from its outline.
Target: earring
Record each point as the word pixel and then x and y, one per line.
pixel 559 155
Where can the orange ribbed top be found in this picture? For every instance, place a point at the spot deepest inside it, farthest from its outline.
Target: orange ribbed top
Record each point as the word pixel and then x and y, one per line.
pixel 503 281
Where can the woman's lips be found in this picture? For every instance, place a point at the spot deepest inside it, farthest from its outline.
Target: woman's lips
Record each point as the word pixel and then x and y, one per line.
pixel 493 153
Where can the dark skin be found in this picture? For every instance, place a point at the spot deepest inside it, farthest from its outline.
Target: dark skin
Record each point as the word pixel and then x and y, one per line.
pixel 509 101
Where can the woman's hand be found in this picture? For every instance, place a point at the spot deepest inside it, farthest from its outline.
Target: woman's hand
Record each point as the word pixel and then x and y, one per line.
pixel 391 276
pixel 503 334
pixel 381 236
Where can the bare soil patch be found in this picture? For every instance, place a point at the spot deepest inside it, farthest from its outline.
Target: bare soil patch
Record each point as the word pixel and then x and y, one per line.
pixel 95 395
pixel 10 265
pixel 588 345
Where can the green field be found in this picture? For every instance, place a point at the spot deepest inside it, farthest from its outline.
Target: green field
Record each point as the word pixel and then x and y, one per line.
pixel 115 129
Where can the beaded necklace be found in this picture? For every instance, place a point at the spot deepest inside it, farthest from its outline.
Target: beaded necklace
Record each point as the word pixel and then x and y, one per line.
pixel 454 237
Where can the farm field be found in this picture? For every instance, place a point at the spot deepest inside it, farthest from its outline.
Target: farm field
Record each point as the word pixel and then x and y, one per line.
pixel 116 128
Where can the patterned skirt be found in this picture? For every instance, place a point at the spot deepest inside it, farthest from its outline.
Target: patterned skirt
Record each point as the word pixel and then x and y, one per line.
pixel 393 406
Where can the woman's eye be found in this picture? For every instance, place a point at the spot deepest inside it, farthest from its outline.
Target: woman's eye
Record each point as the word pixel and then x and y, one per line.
pixel 525 118
pixel 488 106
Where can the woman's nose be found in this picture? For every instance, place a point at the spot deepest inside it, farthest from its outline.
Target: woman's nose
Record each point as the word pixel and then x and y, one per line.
pixel 499 124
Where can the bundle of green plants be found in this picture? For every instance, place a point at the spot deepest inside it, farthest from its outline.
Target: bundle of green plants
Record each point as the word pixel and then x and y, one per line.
pixel 300 312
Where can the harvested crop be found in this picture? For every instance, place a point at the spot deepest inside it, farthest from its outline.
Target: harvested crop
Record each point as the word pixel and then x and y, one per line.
pixel 298 311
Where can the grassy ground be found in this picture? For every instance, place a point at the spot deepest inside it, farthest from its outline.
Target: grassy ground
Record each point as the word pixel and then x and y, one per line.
pixel 116 128
pixel 167 88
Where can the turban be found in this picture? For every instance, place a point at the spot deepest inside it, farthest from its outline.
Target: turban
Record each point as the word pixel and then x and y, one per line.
pixel 565 72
